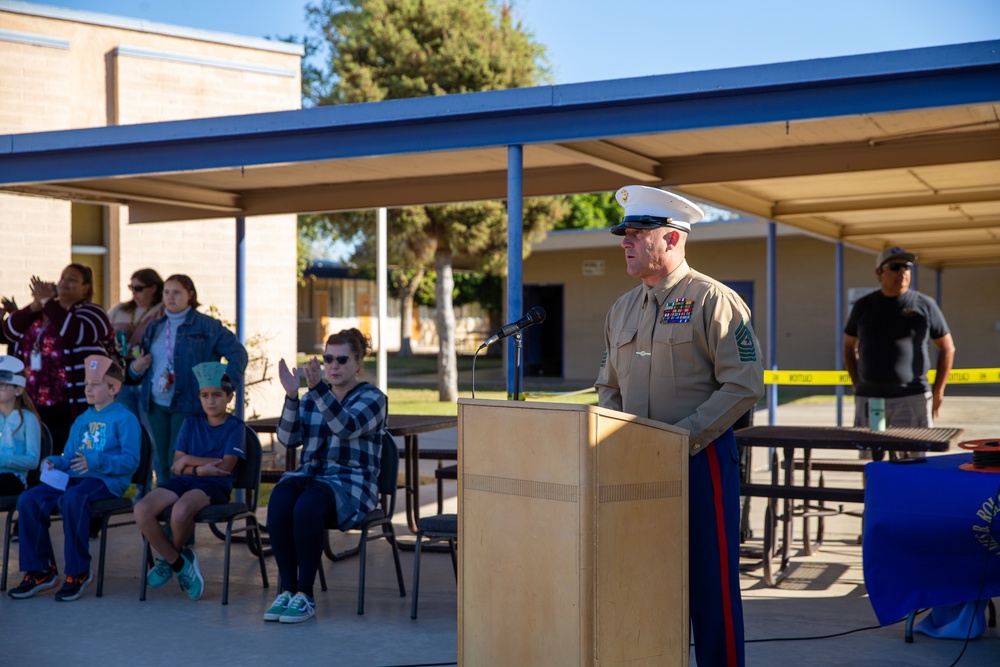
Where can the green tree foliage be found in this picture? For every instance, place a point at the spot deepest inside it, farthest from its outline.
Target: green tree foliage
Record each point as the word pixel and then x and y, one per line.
pixel 391 49
pixel 591 211
pixel 394 49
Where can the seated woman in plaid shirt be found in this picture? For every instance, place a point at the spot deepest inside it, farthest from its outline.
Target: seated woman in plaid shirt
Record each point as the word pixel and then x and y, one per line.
pixel 339 424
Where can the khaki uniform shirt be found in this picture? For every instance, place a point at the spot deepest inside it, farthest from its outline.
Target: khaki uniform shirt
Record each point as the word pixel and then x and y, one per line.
pixel 700 369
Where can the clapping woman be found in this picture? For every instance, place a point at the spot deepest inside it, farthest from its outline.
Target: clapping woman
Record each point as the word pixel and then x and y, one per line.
pixel 52 336
pixel 171 347
pixel 339 423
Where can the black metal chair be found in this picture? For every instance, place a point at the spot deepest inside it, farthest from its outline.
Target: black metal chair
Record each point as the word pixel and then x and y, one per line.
pixel 381 516
pixel 439 528
pixel 8 504
pixel 105 510
pixel 247 479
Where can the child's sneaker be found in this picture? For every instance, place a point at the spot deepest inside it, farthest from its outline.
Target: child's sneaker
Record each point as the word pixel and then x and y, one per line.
pixel 300 608
pixel 190 577
pixel 73 588
pixel 34 582
pixel 278 607
pixel 160 574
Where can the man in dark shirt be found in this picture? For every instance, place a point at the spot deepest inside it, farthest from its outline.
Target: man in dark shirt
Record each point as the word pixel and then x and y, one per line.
pixel 885 346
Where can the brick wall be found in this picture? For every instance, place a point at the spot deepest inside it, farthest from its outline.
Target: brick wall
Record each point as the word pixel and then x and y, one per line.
pixel 62 74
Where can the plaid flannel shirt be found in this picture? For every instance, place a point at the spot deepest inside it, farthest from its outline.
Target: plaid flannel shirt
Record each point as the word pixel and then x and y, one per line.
pixel 340 444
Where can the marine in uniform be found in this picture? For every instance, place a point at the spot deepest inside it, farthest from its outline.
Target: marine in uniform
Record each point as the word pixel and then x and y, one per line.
pixel 679 349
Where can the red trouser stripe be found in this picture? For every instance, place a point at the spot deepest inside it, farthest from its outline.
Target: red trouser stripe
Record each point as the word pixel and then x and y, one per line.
pixel 720 525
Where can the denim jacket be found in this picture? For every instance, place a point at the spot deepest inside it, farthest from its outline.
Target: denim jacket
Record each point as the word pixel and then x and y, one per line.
pixel 199 338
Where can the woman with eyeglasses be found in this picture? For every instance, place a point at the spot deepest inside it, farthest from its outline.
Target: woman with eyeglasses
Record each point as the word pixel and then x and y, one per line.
pixel 171 347
pixel 52 335
pixel 339 424
pixel 129 320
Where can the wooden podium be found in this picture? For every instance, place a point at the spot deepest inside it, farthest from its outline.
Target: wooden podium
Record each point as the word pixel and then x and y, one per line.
pixel 572 537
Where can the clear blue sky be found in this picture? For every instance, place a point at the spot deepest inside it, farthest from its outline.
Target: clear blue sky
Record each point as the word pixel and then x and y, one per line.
pixel 591 40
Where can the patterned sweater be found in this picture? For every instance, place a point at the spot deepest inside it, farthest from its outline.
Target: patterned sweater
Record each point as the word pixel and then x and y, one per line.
pixel 63 339
pixel 340 444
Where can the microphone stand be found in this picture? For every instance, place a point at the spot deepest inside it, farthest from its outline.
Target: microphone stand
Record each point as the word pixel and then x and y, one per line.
pixel 518 344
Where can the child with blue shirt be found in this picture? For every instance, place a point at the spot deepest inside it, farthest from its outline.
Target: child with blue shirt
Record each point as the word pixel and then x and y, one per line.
pixel 207 450
pixel 99 459
pixel 20 432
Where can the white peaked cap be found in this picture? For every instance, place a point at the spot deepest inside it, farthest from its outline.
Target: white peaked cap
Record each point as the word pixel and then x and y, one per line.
pixel 648 208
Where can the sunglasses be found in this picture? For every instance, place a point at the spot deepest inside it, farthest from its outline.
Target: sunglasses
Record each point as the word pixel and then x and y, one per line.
pixel 138 288
pixel 341 359
pixel 899 266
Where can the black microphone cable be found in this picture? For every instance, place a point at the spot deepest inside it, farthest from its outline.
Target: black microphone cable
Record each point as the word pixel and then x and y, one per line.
pixel 474 357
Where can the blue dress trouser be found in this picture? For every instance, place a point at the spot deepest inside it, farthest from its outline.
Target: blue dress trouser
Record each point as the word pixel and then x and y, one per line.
pixel 714 554
pixel 34 509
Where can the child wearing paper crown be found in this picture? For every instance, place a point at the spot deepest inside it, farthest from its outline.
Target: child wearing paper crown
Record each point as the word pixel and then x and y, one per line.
pixel 100 457
pixel 207 450
pixel 20 433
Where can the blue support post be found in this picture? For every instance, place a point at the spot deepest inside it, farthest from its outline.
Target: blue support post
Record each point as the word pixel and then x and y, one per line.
pixel 772 319
pixel 515 244
pixel 241 305
pixel 838 318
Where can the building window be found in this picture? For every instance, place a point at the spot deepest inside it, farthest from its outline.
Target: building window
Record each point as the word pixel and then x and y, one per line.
pixel 90 245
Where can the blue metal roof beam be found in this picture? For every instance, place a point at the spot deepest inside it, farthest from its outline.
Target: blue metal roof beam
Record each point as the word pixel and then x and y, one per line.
pixel 885 82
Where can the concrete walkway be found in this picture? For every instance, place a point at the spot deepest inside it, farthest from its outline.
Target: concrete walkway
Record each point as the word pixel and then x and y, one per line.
pixel 823 595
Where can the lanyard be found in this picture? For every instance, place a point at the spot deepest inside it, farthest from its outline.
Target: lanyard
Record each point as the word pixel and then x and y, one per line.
pixel 168 343
pixel 37 345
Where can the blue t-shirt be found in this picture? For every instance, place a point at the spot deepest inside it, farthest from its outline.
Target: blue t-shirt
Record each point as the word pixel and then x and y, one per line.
pixel 197 438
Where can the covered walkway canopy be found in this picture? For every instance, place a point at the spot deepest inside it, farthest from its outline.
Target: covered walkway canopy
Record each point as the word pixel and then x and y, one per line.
pixel 873 150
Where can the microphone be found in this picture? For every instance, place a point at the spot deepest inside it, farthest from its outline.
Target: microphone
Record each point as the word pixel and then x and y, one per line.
pixel 535 316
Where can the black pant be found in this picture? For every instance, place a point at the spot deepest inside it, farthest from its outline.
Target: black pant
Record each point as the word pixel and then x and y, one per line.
pixel 10 484
pixel 59 419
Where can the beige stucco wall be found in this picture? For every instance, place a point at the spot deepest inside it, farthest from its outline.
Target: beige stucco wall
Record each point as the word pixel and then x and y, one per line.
pixel 806 299
pixel 91 75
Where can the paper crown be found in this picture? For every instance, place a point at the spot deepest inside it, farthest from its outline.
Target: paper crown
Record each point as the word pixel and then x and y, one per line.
pixel 648 208
pixel 10 369
pixel 98 368
pixel 212 374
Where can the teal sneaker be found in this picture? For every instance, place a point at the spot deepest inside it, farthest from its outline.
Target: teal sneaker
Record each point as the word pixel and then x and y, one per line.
pixel 190 577
pixel 160 574
pixel 278 607
pixel 300 608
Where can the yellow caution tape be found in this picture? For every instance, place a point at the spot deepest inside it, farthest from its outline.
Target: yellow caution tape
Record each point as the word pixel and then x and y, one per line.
pixel 807 377
pixel 957 376
pixel 970 375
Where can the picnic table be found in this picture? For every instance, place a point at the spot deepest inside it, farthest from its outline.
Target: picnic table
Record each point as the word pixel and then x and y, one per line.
pixel 782 490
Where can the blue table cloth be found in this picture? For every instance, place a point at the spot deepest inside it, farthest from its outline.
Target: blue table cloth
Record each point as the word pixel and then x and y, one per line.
pixel 930 535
